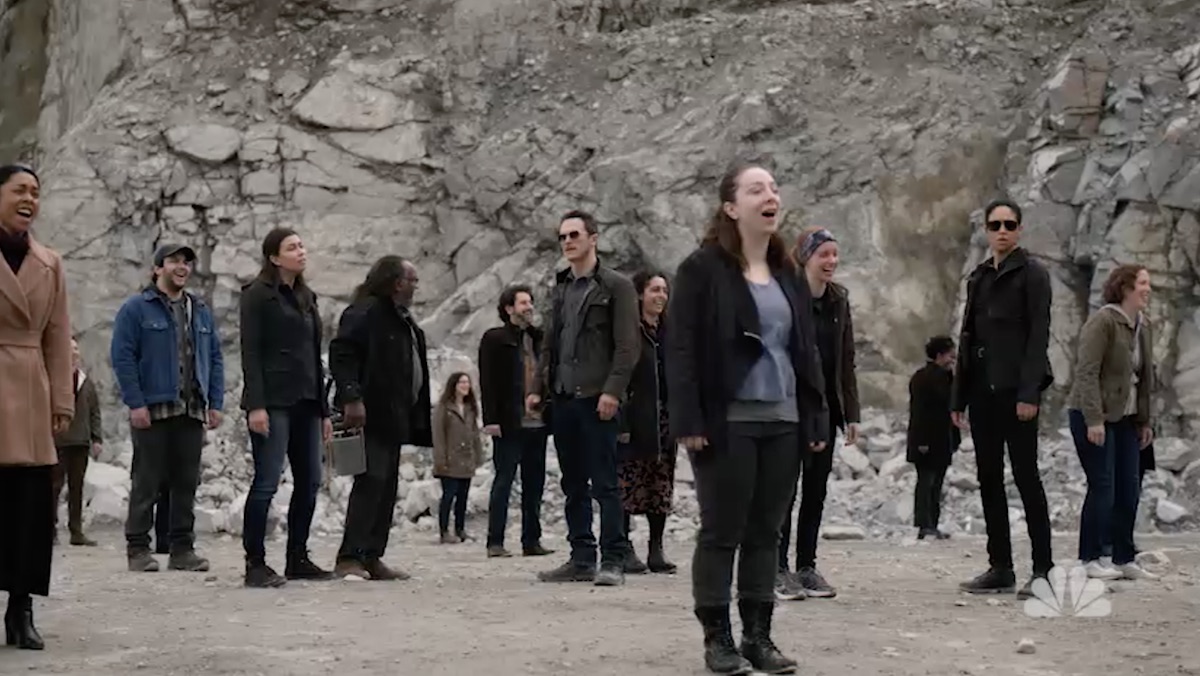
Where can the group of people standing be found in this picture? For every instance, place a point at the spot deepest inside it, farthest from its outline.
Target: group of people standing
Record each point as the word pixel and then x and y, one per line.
pixel 745 358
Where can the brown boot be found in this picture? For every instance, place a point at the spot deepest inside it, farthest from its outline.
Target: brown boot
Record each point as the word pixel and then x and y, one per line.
pixel 350 567
pixel 379 571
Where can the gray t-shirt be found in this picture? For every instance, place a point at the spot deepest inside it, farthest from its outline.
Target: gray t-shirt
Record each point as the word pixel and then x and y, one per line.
pixel 769 391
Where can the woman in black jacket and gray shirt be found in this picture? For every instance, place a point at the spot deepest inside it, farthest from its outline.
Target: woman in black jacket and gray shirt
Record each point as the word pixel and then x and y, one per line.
pixel 746 401
pixel 284 397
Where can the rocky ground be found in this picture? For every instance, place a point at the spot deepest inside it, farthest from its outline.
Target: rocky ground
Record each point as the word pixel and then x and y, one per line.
pixel 898 613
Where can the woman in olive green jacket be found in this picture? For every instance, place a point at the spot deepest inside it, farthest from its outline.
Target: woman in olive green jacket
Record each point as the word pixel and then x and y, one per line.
pixel 1109 414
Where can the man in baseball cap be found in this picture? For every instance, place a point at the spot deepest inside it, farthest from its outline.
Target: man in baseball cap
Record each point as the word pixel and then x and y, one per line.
pixel 166 355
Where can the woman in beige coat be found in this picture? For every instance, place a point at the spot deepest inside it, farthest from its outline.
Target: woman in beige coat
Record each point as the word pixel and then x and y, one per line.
pixel 457 451
pixel 36 401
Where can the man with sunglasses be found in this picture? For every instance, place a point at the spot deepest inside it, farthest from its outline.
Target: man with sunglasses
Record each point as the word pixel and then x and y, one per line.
pixel 1003 368
pixel 589 350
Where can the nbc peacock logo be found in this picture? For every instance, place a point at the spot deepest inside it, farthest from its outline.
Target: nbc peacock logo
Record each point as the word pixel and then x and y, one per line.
pixel 1068 593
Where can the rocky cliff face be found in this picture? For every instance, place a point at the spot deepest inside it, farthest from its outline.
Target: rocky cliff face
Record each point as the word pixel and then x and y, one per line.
pixel 456 132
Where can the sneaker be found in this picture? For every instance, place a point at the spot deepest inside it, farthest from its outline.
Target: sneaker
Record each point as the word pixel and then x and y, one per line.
pixel 993 581
pixel 448 539
pixel 536 550
pixel 378 570
pixel 1097 570
pixel 814 584
pixel 787 587
pixel 142 561
pixel 262 576
pixel 1134 571
pixel 495 552
pixel 302 568
pixel 350 568
pixel 610 575
pixel 187 560
pixel 568 572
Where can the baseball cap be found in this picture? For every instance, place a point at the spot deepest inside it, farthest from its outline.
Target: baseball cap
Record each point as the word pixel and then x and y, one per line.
pixel 165 251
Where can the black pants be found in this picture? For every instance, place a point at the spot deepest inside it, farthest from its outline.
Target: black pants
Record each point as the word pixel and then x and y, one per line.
pixel 524 448
pixel 927 496
pixel 454 495
pixel 814 487
pixel 372 504
pixel 26 529
pixel 162 520
pixel 166 452
pixel 994 426
pixel 743 489
pixel 70 470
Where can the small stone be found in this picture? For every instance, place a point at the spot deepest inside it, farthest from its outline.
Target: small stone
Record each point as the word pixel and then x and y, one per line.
pixel 1026 646
pixel 843 533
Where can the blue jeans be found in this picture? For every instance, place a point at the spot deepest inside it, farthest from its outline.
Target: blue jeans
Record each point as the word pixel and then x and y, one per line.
pixel 1113 488
pixel 587 454
pixel 525 449
pixel 295 436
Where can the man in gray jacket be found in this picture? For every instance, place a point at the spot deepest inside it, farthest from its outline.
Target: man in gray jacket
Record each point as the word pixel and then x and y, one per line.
pixel 589 351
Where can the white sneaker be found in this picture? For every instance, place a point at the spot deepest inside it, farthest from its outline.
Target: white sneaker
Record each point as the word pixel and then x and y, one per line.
pixel 1098 571
pixel 1132 571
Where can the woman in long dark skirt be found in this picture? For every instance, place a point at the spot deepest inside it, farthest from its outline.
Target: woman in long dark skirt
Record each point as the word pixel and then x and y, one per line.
pixel 37 401
pixel 647 449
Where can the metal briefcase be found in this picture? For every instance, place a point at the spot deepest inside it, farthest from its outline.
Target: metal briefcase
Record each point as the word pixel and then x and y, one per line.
pixel 348 454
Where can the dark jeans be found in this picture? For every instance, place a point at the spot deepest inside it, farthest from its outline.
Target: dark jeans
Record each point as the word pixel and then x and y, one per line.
pixel 994 425
pixel 587 455
pixel 162 520
pixel 1145 457
pixel 167 452
pixel 294 436
pixel 454 495
pixel 372 505
pixel 743 490
pixel 814 486
pixel 525 448
pixel 927 497
pixel 70 470
pixel 1113 488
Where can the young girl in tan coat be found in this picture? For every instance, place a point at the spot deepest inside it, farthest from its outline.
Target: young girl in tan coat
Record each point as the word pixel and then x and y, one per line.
pixel 457 451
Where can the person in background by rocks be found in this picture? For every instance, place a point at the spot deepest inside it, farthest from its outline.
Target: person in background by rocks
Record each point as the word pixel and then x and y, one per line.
pixel 1109 416
pixel 380 365
pixel 747 401
pixel 457 452
pixel 166 355
pixel 81 441
pixel 36 401
pixel 932 436
pixel 284 399
pixel 1003 368
pixel 647 449
pixel 817 253
pixel 588 355
pixel 508 364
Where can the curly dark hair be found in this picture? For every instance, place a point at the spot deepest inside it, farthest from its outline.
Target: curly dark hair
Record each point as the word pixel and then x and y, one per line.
pixel 1121 281
pixel 508 298
pixel 938 346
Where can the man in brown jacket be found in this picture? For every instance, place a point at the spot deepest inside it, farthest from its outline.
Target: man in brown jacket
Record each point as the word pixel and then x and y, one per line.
pixel 81 439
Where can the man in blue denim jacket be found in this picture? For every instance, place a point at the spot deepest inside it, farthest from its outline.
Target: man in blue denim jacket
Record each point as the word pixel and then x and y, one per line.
pixel 167 358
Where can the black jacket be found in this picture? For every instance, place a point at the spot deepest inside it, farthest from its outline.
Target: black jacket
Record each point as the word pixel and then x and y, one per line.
pixel 647 396
pixel 608 341
pixel 371 359
pixel 713 344
pixel 501 379
pixel 929 423
pixel 274 337
pixel 846 383
pixel 1016 357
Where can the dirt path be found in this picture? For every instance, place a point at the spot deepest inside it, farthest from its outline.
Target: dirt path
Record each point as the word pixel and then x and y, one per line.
pixel 898 613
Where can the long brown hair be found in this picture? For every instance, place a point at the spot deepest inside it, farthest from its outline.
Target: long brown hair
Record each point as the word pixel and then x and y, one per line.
pixel 269 272
pixel 447 398
pixel 723 231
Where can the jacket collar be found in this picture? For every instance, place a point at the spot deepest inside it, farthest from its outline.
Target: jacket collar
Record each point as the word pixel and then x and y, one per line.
pixel 1014 261
pixel 565 275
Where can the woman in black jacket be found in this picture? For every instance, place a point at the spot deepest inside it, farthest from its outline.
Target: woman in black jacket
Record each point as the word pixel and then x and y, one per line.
pixel 647 450
pixel 746 401
pixel 284 397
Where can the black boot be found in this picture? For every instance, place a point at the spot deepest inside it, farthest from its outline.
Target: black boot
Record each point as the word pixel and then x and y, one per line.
pixel 18 624
pixel 720 652
pixel 757 646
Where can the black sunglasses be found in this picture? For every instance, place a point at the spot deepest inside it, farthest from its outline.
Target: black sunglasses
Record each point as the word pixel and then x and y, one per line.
pixel 574 234
pixel 1010 226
